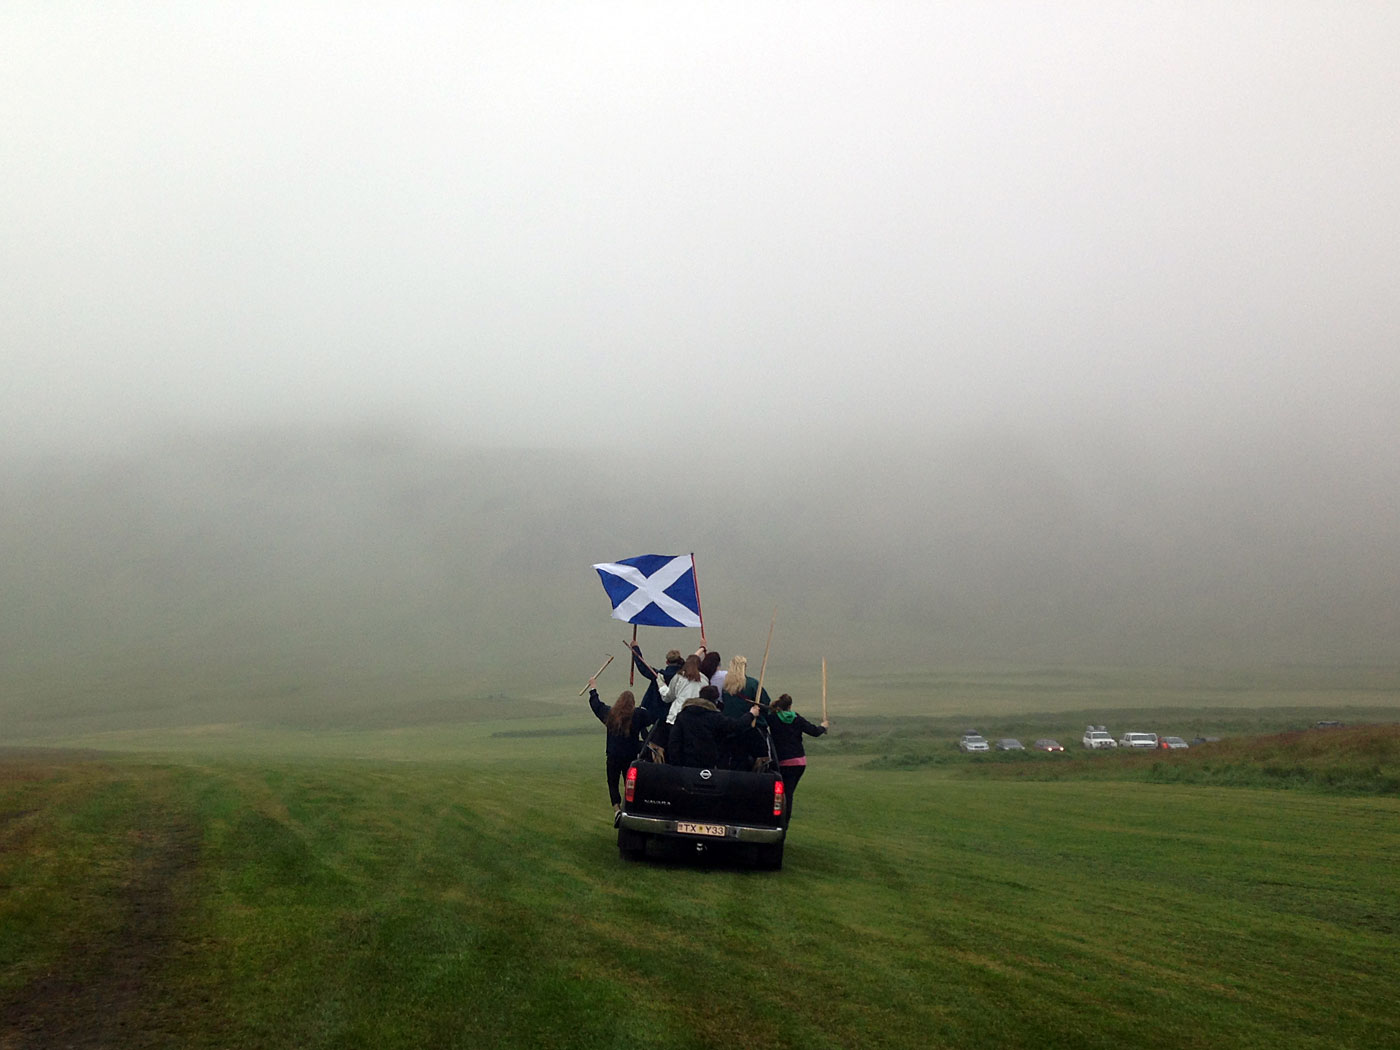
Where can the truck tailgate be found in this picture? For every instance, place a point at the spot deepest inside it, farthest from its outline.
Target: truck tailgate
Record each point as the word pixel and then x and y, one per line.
pixel 713 795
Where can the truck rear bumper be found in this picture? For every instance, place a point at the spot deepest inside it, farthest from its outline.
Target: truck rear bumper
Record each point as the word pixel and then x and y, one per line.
pixel 732 832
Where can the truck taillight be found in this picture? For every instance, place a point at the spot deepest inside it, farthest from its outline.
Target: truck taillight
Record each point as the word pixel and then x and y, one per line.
pixel 777 798
pixel 632 783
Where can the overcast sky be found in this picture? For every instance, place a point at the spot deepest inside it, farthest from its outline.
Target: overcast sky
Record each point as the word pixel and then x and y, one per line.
pixel 564 223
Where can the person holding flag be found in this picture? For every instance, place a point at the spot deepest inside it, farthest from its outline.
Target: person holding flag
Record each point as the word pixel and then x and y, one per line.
pixel 651 699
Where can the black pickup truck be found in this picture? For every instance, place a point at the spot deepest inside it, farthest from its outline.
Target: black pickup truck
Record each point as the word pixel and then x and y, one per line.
pixel 704 808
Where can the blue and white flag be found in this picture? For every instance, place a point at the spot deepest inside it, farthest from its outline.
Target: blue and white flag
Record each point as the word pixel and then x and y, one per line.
pixel 655 590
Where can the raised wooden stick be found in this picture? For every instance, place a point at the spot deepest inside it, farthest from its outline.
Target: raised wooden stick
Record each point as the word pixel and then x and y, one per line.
pixel 824 689
pixel 764 666
pixel 600 671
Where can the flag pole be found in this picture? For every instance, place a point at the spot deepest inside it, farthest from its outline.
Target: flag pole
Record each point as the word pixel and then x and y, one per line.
pixel 699 610
pixel 632 664
pixel 824 689
pixel 764 666
pixel 600 671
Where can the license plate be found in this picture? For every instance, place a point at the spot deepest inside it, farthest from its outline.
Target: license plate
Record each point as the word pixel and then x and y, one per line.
pixel 700 829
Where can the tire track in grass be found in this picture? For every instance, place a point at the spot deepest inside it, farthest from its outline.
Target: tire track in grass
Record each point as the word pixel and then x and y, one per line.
pixel 98 995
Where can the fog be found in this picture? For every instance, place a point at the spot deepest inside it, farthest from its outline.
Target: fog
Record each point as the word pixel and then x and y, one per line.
pixel 338 341
pixel 540 224
pixel 270 576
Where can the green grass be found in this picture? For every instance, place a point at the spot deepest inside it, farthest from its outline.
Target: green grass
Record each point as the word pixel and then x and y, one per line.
pixel 451 887
pixel 1361 760
pixel 220 705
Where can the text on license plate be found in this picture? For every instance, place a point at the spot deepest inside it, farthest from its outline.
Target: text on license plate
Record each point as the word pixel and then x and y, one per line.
pixel 700 829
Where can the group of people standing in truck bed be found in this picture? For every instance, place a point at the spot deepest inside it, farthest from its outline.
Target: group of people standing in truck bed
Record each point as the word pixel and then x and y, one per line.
pixel 702 715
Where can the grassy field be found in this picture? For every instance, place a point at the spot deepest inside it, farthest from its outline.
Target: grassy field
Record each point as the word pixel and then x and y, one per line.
pixel 459 886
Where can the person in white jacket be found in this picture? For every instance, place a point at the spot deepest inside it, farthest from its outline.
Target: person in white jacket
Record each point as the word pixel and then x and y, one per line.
pixel 684 685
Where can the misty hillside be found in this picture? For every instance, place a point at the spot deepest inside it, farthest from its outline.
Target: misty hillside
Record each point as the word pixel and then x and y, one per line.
pixel 278 574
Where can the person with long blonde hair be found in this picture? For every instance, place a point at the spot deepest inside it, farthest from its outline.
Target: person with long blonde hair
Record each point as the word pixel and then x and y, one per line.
pixel 740 690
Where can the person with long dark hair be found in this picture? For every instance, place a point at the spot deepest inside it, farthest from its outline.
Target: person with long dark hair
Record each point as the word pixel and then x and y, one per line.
pixel 624 722
pixel 786 727
pixel 710 668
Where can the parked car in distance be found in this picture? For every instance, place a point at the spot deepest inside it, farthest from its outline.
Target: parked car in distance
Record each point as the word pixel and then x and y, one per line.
pixel 1171 743
pixel 1009 744
pixel 1046 744
pixel 1096 737
pixel 1328 723
pixel 1138 740
pixel 973 742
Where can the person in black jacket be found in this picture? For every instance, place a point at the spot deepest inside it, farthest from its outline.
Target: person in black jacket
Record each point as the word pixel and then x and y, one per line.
pixel 786 727
pixel 701 730
pixel 625 722
pixel 651 699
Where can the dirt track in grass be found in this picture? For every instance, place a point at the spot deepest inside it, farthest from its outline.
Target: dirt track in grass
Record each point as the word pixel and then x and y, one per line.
pixel 97 995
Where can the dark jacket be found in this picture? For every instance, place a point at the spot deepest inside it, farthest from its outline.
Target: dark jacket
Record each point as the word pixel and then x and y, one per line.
pixel 699 733
pixel 651 699
pixel 786 729
pixel 619 746
pixel 736 705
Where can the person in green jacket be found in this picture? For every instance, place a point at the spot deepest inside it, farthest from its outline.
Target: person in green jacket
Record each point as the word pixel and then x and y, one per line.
pixel 786 727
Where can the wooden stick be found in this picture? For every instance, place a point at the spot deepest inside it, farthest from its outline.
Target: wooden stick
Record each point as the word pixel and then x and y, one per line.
pixel 632 664
pixel 699 611
pixel 824 689
pixel 764 666
pixel 600 671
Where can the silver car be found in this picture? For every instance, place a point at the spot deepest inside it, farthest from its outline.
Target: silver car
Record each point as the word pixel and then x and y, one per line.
pixel 973 742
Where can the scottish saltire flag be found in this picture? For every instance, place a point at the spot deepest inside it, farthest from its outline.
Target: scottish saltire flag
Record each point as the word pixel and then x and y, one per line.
pixel 655 590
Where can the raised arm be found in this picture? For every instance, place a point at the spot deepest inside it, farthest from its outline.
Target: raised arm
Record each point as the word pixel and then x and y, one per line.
pixel 638 662
pixel 599 708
